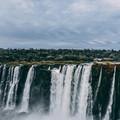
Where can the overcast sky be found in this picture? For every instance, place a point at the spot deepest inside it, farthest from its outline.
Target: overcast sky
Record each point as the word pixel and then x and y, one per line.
pixel 57 24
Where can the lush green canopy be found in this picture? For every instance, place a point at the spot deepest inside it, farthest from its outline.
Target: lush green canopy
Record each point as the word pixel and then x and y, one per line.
pixel 37 55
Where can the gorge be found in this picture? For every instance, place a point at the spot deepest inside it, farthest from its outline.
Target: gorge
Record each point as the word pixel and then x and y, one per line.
pixel 88 91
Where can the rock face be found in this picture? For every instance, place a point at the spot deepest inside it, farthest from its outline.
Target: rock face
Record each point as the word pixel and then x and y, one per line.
pixel 97 86
pixel 40 88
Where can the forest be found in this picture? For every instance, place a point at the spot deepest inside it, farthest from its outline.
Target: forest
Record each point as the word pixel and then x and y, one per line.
pixel 38 55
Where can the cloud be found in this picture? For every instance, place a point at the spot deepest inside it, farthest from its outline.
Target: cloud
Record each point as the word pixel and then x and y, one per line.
pixel 93 43
pixel 81 7
pixel 113 3
pixel 60 24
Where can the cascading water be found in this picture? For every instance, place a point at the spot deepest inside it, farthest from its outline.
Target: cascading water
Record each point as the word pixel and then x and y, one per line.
pixel 90 101
pixel 11 99
pixel 83 94
pixel 2 82
pixel 67 90
pixel 109 108
pixel 98 86
pixel 76 83
pixel 3 74
pixel 68 104
pixel 76 91
pixel 60 89
pixel 55 77
pixel 0 68
pixel 26 93
pixel 8 84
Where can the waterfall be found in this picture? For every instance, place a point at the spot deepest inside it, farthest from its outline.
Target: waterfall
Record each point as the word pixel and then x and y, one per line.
pixel 98 86
pixel 0 68
pixel 3 74
pixel 57 83
pixel 76 81
pixel 61 86
pixel 8 83
pixel 89 114
pixel 26 92
pixel 49 68
pixel 109 108
pixel 11 100
pixel 67 90
pixel 61 89
pixel 71 90
pixel 90 102
pixel 2 82
pixel 84 92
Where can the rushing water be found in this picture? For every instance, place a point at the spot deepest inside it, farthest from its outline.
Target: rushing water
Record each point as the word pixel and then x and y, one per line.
pixel 56 90
pixel 12 94
pixel 71 93
pixel 65 107
pixel 98 86
pixel 8 85
pixel 83 95
pixel 68 103
pixel 26 93
pixel 75 90
pixel 2 82
pixel 109 108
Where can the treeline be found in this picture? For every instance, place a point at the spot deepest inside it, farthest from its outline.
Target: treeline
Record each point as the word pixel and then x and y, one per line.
pixel 37 55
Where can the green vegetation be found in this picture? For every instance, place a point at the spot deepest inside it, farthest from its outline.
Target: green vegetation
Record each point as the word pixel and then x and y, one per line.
pixel 51 56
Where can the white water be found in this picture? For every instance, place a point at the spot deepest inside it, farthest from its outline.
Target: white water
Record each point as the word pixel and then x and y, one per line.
pixel 71 94
pixel 55 78
pixel 9 79
pixel 3 74
pixel 1 83
pixel 3 78
pixel 11 100
pixel 49 68
pixel 0 68
pixel 83 95
pixel 61 86
pixel 90 103
pixel 26 92
pixel 61 90
pixel 98 86
pixel 76 81
pixel 109 108
pixel 67 90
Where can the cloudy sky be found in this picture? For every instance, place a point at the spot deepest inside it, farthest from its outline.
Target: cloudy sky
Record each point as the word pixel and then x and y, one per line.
pixel 57 24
